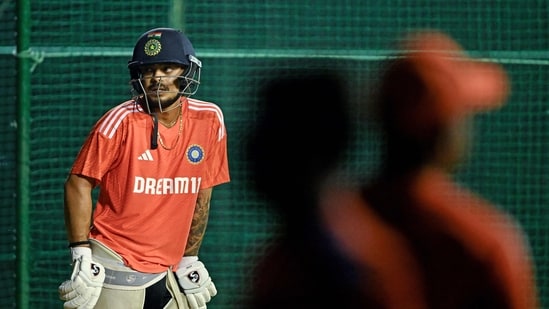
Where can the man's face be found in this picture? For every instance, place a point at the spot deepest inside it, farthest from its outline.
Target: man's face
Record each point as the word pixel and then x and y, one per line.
pixel 161 83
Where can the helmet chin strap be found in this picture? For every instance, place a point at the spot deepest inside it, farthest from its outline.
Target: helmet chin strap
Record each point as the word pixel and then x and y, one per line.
pixel 154 134
pixel 154 115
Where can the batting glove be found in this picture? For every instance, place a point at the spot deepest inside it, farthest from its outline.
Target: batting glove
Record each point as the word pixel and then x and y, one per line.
pixel 195 282
pixel 83 289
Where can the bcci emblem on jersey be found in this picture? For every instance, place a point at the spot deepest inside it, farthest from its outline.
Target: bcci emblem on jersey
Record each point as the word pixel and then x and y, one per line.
pixel 195 154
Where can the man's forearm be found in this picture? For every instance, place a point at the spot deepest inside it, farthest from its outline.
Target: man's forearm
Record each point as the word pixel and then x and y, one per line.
pixel 78 208
pixel 199 223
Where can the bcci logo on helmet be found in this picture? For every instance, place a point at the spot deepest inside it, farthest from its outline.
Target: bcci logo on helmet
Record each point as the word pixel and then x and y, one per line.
pixel 152 47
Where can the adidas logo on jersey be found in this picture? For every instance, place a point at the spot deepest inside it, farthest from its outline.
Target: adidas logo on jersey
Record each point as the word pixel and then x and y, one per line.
pixel 146 156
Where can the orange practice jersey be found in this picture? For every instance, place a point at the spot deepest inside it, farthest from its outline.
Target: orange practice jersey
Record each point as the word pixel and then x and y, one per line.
pixel 432 244
pixel 147 196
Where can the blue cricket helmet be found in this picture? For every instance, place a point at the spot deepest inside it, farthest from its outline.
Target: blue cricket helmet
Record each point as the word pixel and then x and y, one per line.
pixel 166 45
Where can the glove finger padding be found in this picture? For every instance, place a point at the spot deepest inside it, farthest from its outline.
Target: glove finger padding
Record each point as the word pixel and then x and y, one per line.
pixel 84 287
pixel 196 283
pixel 196 301
pixel 212 289
pixel 199 300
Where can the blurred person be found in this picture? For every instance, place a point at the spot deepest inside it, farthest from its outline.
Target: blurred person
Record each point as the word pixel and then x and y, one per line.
pixel 156 159
pixel 420 239
pixel 294 149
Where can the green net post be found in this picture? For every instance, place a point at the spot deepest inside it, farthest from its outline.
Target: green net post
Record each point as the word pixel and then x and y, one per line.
pixel 23 152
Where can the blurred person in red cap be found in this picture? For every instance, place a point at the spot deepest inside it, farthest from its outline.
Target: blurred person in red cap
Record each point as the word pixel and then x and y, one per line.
pixel 420 239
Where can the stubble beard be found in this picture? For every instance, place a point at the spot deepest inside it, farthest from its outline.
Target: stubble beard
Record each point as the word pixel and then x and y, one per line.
pixel 156 103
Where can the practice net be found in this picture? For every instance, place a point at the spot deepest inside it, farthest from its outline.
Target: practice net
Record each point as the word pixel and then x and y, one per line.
pixel 79 51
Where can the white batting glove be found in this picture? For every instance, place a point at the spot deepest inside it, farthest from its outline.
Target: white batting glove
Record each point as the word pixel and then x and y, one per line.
pixel 195 282
pixel 83 289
